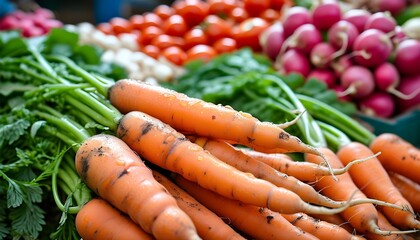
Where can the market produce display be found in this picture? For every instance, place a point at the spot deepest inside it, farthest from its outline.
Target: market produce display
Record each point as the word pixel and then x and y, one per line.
pixel 126 130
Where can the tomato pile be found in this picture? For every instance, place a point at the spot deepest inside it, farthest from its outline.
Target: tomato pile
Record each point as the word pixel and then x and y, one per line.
pixel 193 29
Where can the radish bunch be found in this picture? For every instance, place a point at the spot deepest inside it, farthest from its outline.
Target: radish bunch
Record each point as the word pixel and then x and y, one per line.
pixel 31 24
pixel 366 57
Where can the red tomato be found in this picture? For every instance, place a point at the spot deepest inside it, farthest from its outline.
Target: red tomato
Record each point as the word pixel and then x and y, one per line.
pixel 194 37
pixel 137 21
pixel 221 8
pixel 164 41
pixel 105 28
pixel 247 33
pixel 193 11
pixel 270 15
pixel 164 11
pixel 151 19
pixel 175 55
pixel 256 7
pixel 175 25
pixel 239 14
pixel 151 51
pixel 225 45
pixel 120 25
pixel 149 33
pixel 215 28
pixel 201 51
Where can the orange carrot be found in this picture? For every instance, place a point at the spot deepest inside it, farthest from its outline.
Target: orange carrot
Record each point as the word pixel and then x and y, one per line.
pixel 318 228
pixel 363 217
pixel 195 116
pixel 162 145
pixel 238 159
pixel 385 224
pixel 257 222
pixel 398 155
pixel 97 219
pixel 374 181
pixel 408 188
pixel 118 175
pixel 335 219
pixel 208 224
pixel 304 171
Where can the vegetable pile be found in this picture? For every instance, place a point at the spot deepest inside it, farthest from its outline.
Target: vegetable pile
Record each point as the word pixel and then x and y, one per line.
pixel 368 58
pixel 136 160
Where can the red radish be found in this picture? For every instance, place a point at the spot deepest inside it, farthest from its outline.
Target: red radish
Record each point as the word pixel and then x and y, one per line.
pixel 341 93
pixel 358 81
pixel 392 6
pixel 381 21
pixel 324 75
pixel 399 35
pixel 342 35
pixel 293 61
pixel 372 47
pixel 304 38
pixel 9 22
pixel 325 15
pixel 341 64
pixel 409 86
pixel 358 17
pixel 272 39
pixel 378 104
pixel 295 17
pixel 45 13
pixel 407 57
pixel 322 54
pixel 50 24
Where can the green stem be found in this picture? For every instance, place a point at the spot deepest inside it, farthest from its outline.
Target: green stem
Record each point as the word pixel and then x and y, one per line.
pixel 335 138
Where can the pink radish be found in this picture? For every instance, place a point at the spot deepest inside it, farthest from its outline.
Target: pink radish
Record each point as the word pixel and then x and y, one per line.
pixel 304 38
pixel 293 61
pixel 272 39
pixel 407 57
pixel 358 81
pixel 342 35
pixel 381 21
pixel 378 104
pixel 9 22
pixel 341 64
pixel 322 54
pixel 371 48
pixel 325 15
pixel 392 6
pixel 409 86
pixel 358 17
pixel 294 17
pixel 399 35
pixel 324 75
pixel 341 93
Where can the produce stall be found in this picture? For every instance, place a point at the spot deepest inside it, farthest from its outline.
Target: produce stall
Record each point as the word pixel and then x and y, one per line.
pixel 216 119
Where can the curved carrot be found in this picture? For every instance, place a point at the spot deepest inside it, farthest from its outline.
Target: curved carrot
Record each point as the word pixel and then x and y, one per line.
pixel 238 159
pixel 257 222
pixel 304 171
pixel 363 217
pixel 335 219
pixel 320 229
pixel 97 219
pixel 117 174
pixel 208 224
pixel 374 181
pixel 385 224
pixel 195 116
pixel 409 189
pixel 398 155
pixel 162 145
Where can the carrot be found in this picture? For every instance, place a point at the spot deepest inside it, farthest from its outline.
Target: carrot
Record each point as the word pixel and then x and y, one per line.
pixel 238 159
pixel 385 224
pixel 304 171
pixel 167 148
pixel 363 217
pixel 118 175
pixel 374 181
pixel 208 224
pixel 408 188
pixel 195 116
pixel 318 228
pixel 398 155
pixel 97 219
pixel 336 219
pixel 257 222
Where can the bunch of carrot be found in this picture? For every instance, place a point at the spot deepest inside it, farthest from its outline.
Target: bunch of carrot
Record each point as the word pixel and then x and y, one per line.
pixel 182 168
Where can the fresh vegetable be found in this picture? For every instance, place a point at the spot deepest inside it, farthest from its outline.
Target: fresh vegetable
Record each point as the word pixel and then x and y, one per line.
pixel 109 167
pixel 408 188
pixel 97 219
